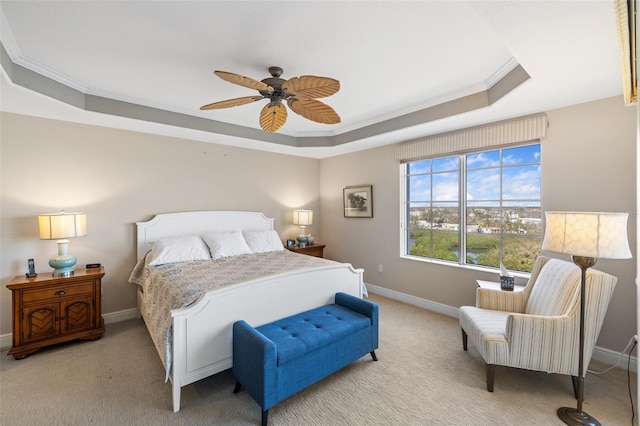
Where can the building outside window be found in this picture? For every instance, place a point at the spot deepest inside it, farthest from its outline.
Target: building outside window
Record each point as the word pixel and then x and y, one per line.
pixel 480 208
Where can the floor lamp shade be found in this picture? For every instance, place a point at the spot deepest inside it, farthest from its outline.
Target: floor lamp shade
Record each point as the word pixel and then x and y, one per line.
pixel 586 237
pixel 60 226
pixel 597 235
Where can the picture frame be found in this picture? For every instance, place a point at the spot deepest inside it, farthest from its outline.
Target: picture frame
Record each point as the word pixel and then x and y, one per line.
pixel 358 201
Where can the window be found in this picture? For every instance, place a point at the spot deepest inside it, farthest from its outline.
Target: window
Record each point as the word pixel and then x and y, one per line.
pixel 480 208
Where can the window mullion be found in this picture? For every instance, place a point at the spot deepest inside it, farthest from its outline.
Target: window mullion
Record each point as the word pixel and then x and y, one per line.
pixel 462 199
pixel 502 210
pixel 431 248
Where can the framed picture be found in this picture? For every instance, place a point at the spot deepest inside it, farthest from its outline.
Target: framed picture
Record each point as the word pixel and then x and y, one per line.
pixel 358 201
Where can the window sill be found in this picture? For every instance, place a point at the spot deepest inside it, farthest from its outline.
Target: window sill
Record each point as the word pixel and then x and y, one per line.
pixel 485 269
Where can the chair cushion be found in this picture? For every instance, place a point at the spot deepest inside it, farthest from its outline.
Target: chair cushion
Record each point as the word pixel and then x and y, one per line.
pixel 556 289
pixel 299 334
pixel 486 328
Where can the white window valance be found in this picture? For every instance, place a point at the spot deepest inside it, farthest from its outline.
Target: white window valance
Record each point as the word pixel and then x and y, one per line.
pixel 523 129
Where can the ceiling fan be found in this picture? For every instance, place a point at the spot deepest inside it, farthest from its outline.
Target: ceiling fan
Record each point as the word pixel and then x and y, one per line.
pixel 299 92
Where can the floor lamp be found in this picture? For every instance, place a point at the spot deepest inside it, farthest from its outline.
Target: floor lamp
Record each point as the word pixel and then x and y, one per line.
pixel 586 237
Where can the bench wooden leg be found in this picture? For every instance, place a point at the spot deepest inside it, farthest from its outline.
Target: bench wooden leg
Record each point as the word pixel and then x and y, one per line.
pixel 237 388
pixel 373 355
pixel 265 417
pixel 491 374
pixel 464 339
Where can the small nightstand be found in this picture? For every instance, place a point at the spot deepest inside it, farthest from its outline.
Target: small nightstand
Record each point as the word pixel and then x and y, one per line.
pixel 316 250
pixel 48 310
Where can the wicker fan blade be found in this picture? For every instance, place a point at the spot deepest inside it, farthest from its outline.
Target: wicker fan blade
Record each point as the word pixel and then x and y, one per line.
pixel 243 81
pixel 311 86
pixel 272 117
pixel 231 102
pixel 314 110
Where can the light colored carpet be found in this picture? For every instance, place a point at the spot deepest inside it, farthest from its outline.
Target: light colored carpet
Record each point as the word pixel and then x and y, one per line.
pixel 423 377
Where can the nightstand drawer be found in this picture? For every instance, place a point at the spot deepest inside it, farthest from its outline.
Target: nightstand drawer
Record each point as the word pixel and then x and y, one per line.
pixel 58 291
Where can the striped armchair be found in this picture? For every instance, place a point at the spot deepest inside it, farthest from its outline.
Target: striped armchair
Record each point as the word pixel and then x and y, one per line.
pixel 538 328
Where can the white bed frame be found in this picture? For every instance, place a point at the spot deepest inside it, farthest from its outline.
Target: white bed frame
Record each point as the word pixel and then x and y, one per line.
pixel 202 332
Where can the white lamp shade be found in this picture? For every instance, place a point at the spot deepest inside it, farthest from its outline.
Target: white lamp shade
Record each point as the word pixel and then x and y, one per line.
pixel 597 235
pixel 54 226
pixel 303 217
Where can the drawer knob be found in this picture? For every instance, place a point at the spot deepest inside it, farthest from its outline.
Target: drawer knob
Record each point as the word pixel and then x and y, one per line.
pixel 60 293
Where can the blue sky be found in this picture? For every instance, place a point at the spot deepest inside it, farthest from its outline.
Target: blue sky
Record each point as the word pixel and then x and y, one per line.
pixel 520 180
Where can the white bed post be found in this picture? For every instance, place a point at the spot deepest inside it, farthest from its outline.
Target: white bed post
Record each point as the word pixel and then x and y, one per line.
pixel 178 368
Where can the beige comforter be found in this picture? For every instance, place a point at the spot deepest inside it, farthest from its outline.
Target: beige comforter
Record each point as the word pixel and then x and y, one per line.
pixel 176 285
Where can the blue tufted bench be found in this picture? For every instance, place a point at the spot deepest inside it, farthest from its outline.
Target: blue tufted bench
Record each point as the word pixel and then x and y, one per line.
pixel 276 360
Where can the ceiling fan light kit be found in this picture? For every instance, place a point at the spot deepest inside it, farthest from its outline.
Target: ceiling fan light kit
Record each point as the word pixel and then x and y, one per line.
pixel 299 92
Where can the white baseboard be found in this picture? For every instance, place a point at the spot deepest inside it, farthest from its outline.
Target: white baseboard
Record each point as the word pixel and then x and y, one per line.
pixel 127 314
pixel 605 355
pixel 6 340
pixel 413 300
pixel 601 354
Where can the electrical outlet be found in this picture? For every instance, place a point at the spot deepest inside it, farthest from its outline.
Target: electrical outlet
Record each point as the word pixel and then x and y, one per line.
pixel 380 268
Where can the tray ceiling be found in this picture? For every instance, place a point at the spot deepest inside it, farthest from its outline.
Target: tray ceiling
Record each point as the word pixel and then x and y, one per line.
pixel 407 69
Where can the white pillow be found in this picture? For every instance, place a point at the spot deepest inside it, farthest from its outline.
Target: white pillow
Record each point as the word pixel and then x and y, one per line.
pixel 179 249
pixel 225 244
pixel 263 241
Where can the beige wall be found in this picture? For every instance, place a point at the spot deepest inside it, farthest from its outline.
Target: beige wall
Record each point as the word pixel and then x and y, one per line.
pixel 121 177
pixel 588 164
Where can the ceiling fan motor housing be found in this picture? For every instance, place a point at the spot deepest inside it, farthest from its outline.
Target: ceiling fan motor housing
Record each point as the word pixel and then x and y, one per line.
pixel 276 83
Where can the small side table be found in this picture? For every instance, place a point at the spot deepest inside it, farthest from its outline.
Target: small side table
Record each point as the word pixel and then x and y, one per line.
pixel 49 310
pixel 316 250
pixel 496 285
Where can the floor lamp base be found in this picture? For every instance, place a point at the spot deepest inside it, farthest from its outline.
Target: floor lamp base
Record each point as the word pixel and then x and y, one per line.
pixel 573 417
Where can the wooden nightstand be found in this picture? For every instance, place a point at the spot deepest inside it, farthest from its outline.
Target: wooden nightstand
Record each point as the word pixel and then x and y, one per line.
pixel 49 310
pixel 316 250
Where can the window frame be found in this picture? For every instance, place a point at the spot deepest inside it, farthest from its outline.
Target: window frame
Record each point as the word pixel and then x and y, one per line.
pixel 463 204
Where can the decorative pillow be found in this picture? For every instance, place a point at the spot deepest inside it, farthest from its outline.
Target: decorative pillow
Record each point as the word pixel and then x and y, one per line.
pixel 179 249
pixel 225 244
pixel 263 241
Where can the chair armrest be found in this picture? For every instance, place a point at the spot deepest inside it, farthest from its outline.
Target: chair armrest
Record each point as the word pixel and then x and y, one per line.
pixel 363 307
pixel 500 300
pixel 254 362
pixel 544 343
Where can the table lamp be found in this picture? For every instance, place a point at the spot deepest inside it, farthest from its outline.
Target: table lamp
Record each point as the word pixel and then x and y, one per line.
pixel 60 226
pixel 586 237
pixel 302 218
